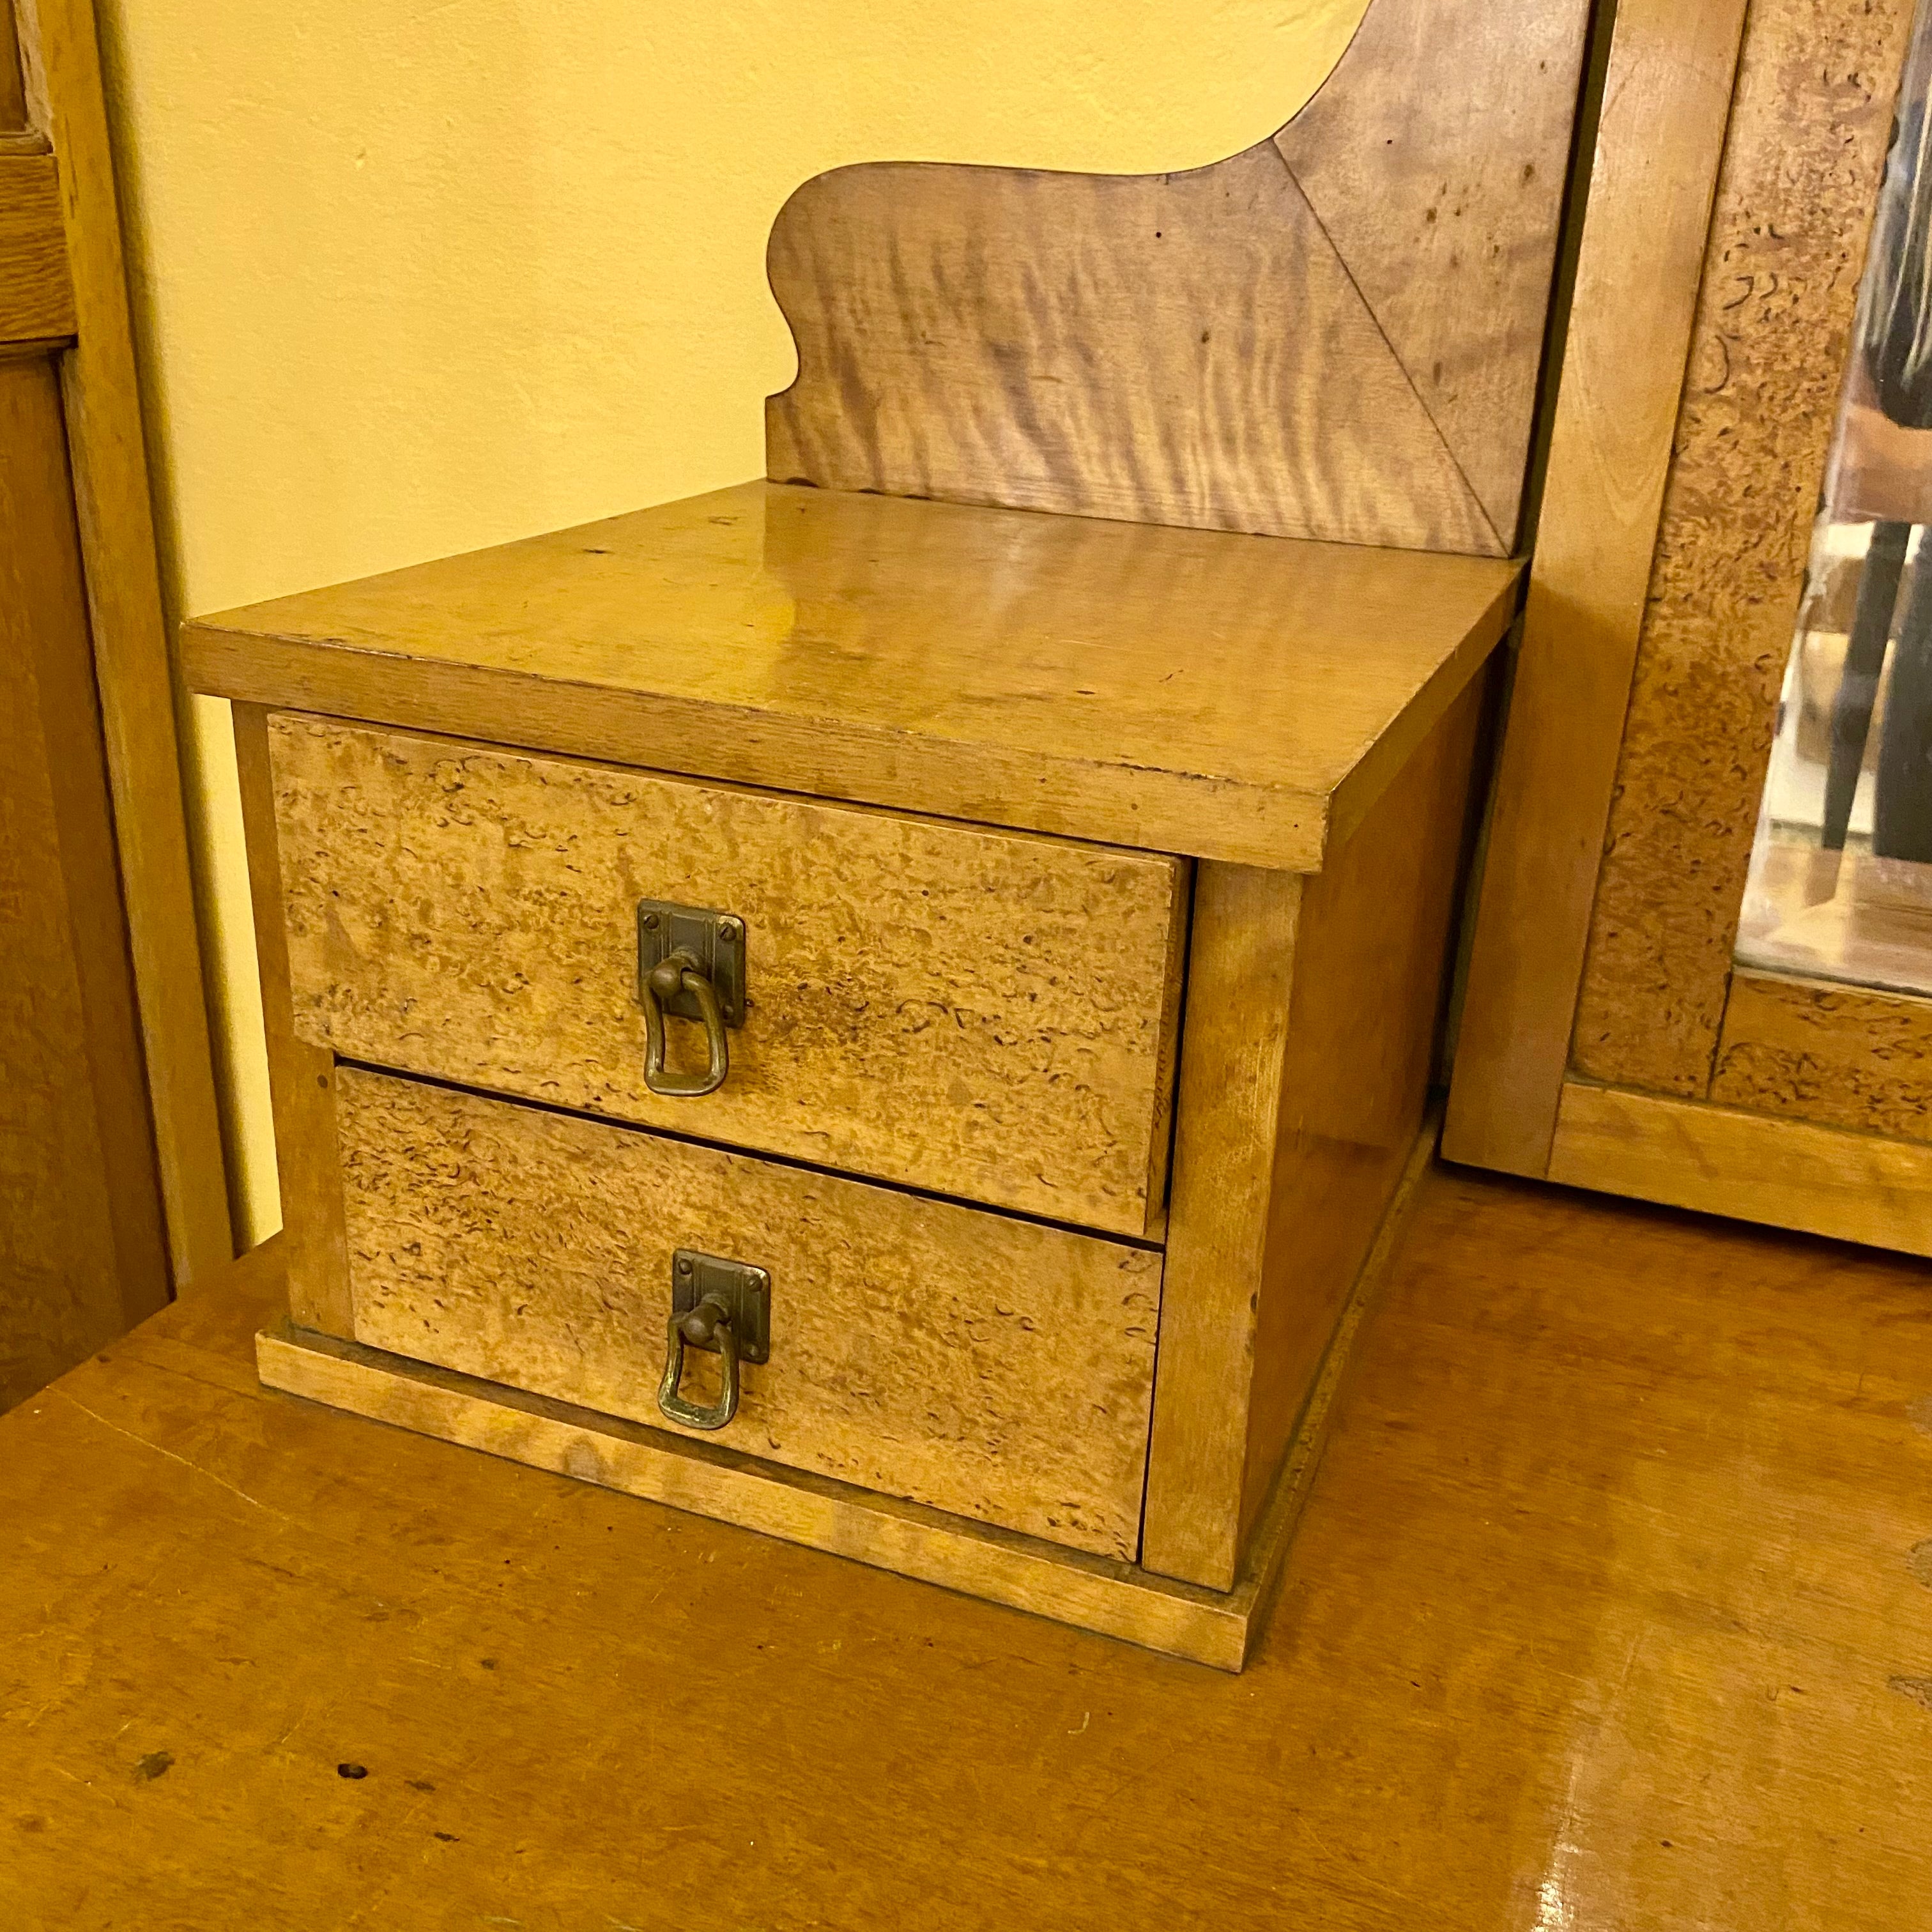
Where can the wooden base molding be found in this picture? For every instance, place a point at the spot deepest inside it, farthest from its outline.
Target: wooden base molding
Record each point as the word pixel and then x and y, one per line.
pixel 1783 1172
pixel 1116 1599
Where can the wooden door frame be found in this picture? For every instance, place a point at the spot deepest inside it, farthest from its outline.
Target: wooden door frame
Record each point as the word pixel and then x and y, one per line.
pixel 1706 113
pixel 65 247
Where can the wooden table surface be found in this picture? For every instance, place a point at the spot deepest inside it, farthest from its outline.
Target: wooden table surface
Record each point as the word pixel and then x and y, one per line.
pixel 1612 1607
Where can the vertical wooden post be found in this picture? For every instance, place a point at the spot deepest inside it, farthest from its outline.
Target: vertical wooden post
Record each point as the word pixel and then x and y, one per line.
pixel 1234 1051
pixel 132 668
pixel 1658 145
pixel 301 1077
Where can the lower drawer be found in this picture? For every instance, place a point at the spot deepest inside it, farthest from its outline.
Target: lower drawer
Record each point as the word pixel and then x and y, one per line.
pixel 994 1367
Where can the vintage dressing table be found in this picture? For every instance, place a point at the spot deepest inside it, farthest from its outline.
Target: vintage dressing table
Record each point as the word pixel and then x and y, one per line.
pixel 888 1004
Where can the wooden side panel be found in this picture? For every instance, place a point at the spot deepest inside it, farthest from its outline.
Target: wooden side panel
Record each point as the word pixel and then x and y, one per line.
pixel 133 672
pixel 302 1076
pixel 82 1251
pixel 36 295
pixel 1435 159
pixel 1313 1008
pixel 1657 146
pixel 992 1367
pixel 978 1013
pixel 1233 1059
pixel 1371 960
pixel 1836 1054
pixel 1802 169
pixel 1335 334
pixel 1784 1173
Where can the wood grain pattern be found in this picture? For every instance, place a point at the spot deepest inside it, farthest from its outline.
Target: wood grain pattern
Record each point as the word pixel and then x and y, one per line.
pixel 1334 333
pixel 1371 976
pixel 1435 160
pixel 81 1252
pixel 1783 1172
pixel 976 1013
pixel 994 1368
pixel 708 1476
pixel 1172 690
pixel 1808 132
pixel 1837 1054
pixel 36 293
pixel 1233 1065
pixel 133 669
pixel 1129 348
pixel 1603 1477
pixel 1312 1010
pixel 301 1077
pixel 1641 253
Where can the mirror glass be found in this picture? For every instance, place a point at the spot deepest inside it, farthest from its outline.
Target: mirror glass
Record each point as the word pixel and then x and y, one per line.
pixel 1840 883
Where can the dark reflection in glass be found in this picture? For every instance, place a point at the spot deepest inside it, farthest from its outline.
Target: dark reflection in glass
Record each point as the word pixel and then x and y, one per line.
pixel 1841 873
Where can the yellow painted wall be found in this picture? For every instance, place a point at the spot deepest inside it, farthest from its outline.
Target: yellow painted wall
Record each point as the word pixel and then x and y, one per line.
pixel 415 276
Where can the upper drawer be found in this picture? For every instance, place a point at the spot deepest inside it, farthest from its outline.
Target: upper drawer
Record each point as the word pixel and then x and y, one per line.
pixel 986 1014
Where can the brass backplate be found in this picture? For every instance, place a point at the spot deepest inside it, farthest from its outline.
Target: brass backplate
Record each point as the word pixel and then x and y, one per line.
pixel 715 939
pixel 745 1290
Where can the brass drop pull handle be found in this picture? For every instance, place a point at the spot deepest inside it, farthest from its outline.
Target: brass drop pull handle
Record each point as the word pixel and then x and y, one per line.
pixel 690 965
pixel 679 973
pixel 708 1325
pixel 716 1304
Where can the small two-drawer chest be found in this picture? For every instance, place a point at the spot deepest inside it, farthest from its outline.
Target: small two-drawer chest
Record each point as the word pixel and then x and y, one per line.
pixel 891 1023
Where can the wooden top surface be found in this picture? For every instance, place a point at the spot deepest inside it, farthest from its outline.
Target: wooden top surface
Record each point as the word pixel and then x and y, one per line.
pixel 1227 697
pixel 1610 1608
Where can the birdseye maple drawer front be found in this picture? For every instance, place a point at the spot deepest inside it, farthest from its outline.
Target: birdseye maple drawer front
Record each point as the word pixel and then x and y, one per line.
pixel 994 1367
pixel 978 1013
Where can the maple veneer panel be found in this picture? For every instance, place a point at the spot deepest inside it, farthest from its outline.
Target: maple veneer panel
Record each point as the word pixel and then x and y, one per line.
pixel 1371 956
pixel 1313 1011
pixel 1201 409
pixel 302 1076
pixel 989 1367
pixel 1446 220
pixel 1837 1054
pixel 1175 691
pixel 985 1014
pixel 1336 333
pixel 1809 128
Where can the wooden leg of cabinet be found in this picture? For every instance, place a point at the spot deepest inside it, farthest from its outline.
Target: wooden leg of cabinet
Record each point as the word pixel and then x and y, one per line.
pixel 301 1077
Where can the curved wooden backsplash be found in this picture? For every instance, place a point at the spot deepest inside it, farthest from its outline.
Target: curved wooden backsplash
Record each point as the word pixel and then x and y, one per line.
pixel 1336 333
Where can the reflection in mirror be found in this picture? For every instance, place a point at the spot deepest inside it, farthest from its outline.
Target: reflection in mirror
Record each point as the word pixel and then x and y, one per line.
pixel 1841 875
